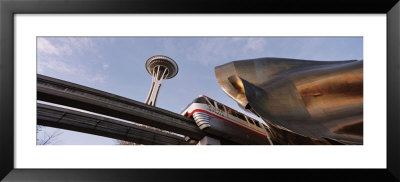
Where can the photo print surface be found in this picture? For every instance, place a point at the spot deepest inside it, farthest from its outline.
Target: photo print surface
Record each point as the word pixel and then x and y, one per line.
pixel 200 90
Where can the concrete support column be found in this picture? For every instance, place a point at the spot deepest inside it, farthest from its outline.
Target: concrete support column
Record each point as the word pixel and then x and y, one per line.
pixel 209 141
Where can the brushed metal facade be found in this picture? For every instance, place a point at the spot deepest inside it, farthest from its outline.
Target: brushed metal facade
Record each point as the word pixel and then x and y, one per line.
pixel 303 102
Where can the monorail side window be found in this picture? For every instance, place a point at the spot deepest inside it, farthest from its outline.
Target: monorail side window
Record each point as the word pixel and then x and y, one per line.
pixel 220 106
pixel 258 124
pixel 228 110
pixel 264 126
pixel 212 102
pixel 240 116
pixel 251 121
pixel 234 113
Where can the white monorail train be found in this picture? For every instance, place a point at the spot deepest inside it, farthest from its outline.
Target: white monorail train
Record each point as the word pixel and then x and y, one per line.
pixel 221 121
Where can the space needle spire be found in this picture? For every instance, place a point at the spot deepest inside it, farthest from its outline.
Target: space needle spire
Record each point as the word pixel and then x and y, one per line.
pixel 159 67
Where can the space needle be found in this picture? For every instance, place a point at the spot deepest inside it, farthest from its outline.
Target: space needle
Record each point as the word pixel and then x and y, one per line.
pixel 159 67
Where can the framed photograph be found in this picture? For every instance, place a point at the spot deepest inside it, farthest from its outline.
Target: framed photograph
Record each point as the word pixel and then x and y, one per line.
pixel 73 47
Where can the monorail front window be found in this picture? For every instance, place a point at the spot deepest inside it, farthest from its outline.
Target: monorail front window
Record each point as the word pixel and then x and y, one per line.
pixel 201 100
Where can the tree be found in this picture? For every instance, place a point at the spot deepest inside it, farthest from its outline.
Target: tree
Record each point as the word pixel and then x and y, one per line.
pixel 44 138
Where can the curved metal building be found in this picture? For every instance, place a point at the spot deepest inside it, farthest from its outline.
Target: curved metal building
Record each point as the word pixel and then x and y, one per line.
pixel 303 102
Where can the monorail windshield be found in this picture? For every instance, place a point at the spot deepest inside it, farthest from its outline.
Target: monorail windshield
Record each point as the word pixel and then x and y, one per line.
pixel 200 100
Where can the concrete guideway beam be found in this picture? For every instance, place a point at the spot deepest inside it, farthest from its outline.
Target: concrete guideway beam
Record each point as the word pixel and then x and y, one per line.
pixel 58 117
pixel 73 95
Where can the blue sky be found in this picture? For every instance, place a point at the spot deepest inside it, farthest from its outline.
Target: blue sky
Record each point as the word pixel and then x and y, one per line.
pixel 117 65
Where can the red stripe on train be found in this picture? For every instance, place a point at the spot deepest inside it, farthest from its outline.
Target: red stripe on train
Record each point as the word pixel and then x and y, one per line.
pixel 219 117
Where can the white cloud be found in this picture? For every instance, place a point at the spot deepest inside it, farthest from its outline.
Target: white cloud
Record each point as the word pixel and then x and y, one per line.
pixel 54 65
pixel 204 51
pixel 64 46
pixel 217 50
pixel 255 44
pixel 212 50
pixel 105 66
pixel 64 56
pixel 81 71
pixel 46 47
pixel 79 45
pixel 95 78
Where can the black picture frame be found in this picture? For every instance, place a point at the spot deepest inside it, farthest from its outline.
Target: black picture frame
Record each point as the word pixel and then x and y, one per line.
pixel 9 8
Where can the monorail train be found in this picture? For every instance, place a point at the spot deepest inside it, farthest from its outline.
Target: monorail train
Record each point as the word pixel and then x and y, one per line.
pixel 220 121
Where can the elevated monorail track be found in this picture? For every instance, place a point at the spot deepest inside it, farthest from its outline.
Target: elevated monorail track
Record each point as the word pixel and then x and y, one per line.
pixel 77 96
pixel 58 117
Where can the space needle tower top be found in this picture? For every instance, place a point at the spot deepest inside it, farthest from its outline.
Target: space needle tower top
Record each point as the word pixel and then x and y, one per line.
pixel 159 67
